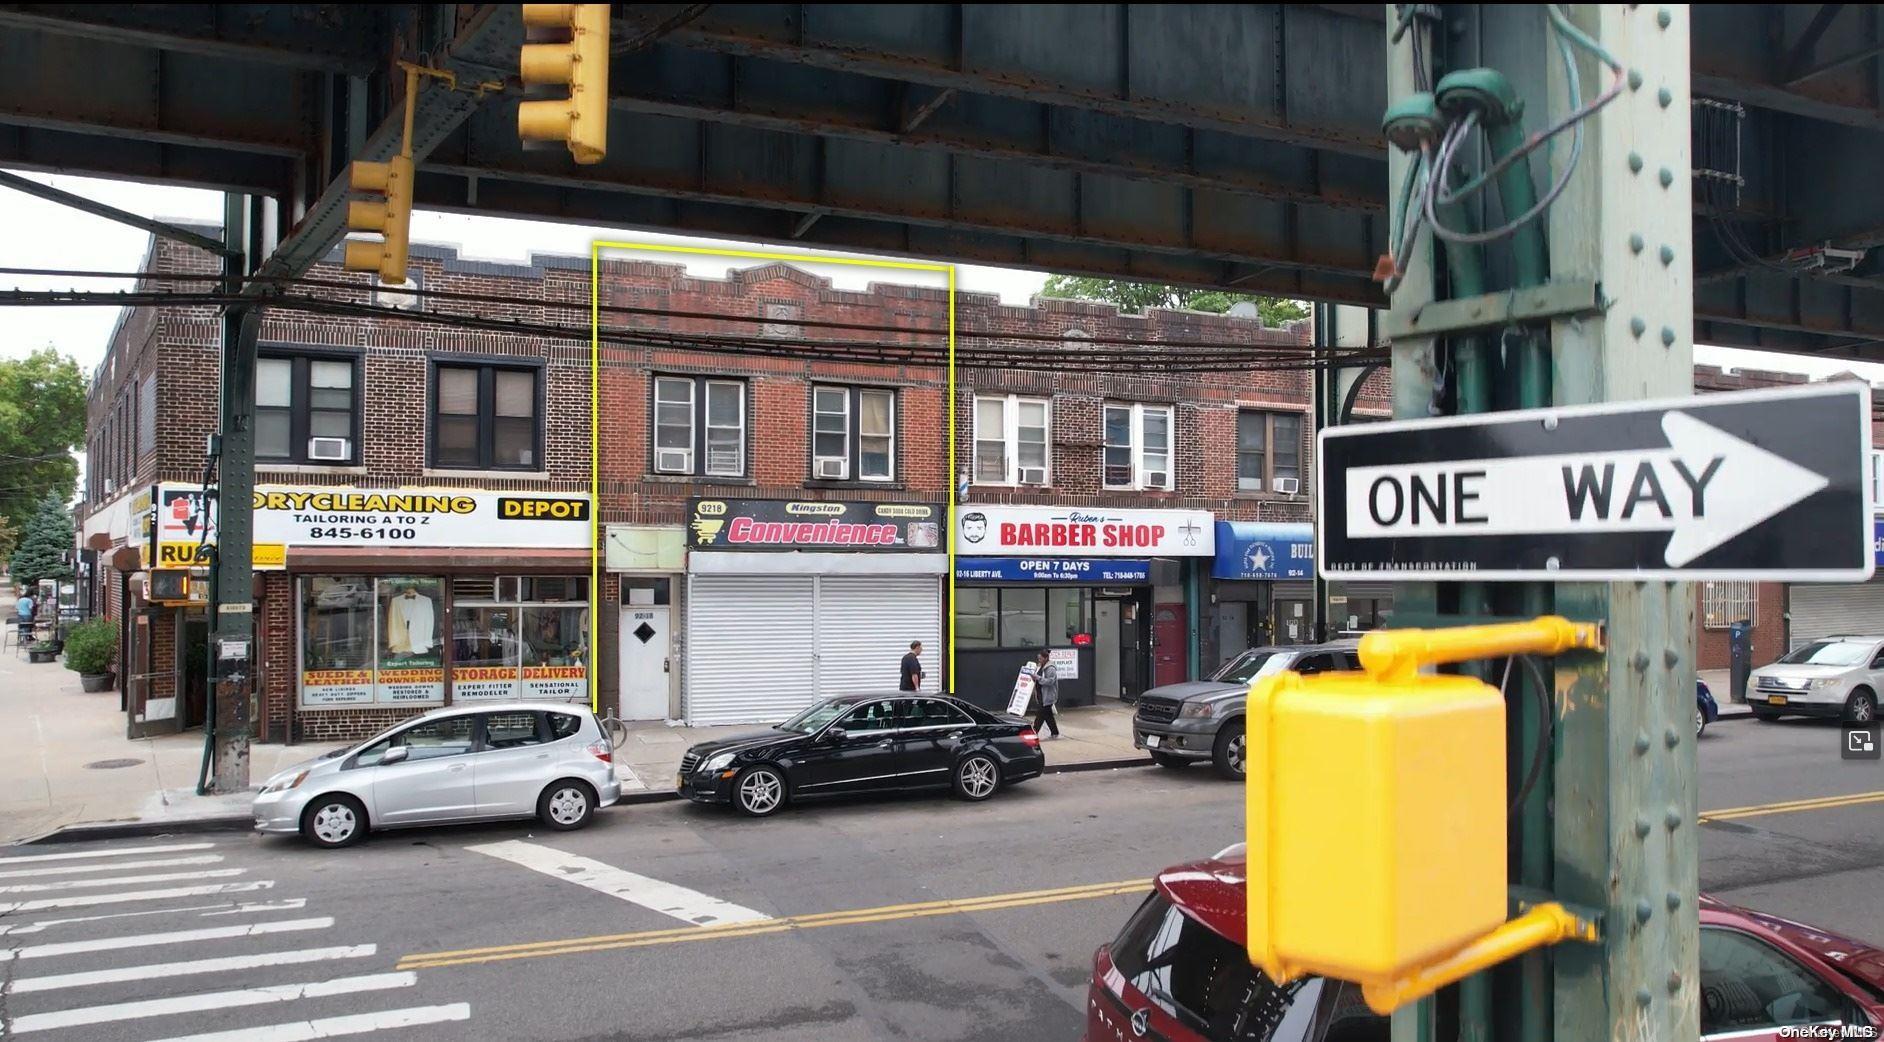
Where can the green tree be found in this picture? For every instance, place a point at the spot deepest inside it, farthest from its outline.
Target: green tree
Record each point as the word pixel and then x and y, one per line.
pixel 42 420
pixel 1134 297
pixel 9 537
pixel 46 540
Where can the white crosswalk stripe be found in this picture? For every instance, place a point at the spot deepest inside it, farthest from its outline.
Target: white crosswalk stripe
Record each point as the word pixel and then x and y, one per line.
pixel 94 884
pixel 42 871
pixel 152 971
pixel 189 959
pixel 333 1027
pixel 689 906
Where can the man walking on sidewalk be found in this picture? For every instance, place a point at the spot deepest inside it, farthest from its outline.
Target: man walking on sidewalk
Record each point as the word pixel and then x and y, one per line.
pixel 912 668
pixel 1047 682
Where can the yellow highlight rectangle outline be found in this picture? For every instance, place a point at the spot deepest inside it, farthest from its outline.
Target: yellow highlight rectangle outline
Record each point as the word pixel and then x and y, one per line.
pixel 595 428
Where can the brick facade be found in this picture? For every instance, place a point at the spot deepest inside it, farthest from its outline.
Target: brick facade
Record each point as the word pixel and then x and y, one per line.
pixel 177 349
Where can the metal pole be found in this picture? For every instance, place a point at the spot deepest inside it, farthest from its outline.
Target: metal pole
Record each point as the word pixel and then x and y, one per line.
pixel 232 625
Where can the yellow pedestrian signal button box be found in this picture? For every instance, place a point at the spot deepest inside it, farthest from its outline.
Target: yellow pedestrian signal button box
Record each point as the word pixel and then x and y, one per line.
pixel 1376 818
pixel 1376 809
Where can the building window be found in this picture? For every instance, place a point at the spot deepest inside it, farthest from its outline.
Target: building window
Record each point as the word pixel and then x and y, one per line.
pixel 1138 447
pixel 1011 441
pixel 699 426
pixel 307 409
pixel 520 637
pixel 1268 451
pixel 371 640
pixel 487 417
pixel 1725 603
pixel 853 432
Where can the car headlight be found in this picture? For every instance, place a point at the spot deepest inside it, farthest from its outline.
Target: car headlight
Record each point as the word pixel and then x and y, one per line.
pixel 1825 682
pixel 287 783
pixel 716 762
pixel 1198 709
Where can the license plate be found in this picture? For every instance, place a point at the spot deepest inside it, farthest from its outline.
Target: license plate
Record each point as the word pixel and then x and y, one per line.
pixel 1151 741
pixel 1776 700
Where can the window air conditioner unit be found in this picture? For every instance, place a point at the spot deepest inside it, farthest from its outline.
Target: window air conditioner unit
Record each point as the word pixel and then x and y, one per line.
pixel 1157 479
pixel 830 468
pixel 1288 486
pixel 672 461
pixel 329 449
pixel 1033 475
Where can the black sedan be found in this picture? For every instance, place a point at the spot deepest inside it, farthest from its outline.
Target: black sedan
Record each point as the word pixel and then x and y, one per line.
pixel 864 743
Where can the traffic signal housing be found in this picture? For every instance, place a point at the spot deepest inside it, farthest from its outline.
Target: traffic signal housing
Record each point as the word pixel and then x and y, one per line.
pixel 390 216
pixel 581 63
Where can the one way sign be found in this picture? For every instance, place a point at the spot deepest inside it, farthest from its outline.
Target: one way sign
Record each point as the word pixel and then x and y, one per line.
pixel 1769 484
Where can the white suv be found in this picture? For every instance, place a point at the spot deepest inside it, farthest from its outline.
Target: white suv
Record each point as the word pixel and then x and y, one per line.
pixel 1835 676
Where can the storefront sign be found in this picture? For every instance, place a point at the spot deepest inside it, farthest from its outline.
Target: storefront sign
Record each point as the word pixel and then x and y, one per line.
pixel 1258 550
pixel 1020 531
pixel 474 683
pixel 1065 662
pixel 556 683
pixel 183 528
pixel 1877 541
pixel 1023 690
pixel 1051 569
pixel 778 524
pixel 295 516
pixel 336 687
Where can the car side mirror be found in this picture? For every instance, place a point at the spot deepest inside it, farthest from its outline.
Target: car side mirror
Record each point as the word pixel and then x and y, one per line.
pixel 835 734
pixel 396 754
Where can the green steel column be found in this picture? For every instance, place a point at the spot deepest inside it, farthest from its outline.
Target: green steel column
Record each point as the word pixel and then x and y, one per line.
pixel 233 621
pixel 1623 812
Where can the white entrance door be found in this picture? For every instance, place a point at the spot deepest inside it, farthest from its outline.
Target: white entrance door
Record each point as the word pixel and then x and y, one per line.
pixel 646 657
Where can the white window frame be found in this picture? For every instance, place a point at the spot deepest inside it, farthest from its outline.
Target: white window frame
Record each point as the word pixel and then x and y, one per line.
pixel 1011 405
pixel 693 407
pixel 1135 433
pixel 843 456
pixel 1722 602
pixel 890 455
pixel 706 421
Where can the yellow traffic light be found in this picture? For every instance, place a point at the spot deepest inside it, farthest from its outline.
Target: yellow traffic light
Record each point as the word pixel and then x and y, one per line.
pixel 390 216
pixel 581 120
pixel 1375 809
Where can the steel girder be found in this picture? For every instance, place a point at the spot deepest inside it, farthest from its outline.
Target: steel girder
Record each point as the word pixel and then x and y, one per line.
pixel 1747 52
pixel 1220 66
pixel 342 38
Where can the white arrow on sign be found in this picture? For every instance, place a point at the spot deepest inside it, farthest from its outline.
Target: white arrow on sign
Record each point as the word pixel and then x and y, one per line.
pixel 1705 488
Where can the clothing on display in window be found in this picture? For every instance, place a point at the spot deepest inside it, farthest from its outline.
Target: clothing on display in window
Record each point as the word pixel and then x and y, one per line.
pixel 409 624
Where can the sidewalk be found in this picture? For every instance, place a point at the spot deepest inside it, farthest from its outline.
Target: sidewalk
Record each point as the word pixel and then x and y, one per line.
pixel 1720 683
pixel 1089 735
pixel 64 759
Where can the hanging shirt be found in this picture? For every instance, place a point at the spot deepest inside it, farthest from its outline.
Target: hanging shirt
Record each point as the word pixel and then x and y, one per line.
pixel 409 622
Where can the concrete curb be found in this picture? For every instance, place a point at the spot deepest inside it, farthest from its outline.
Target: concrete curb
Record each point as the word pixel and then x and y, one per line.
pixel 242 822
pixel 87 831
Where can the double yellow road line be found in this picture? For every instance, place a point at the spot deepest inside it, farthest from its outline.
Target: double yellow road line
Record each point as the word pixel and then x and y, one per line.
pixel 1815 803
pixel 926 909
pixel 787 924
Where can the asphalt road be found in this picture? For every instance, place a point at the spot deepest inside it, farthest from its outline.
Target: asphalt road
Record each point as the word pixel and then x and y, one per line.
pixel 916 918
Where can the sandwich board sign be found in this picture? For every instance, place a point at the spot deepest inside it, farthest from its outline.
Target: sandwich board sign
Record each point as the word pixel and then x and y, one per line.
pixel 1768 484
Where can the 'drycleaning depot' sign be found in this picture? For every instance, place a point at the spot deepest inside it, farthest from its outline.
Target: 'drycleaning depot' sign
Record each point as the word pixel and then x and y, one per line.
pixel 299 516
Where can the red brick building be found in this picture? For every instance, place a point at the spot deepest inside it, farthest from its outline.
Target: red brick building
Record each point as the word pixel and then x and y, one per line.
pixel 423 517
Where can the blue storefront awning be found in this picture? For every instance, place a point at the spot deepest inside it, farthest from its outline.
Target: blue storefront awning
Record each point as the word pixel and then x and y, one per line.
pixel 1264 550
pixel 1051 569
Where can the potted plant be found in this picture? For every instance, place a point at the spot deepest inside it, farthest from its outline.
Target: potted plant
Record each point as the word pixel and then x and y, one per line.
pixel 42 651
pixel 90 649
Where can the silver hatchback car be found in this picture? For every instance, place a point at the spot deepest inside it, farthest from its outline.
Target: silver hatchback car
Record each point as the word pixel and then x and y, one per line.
pixel 513 760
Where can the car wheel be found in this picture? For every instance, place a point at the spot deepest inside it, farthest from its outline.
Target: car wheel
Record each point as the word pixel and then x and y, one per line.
pixel 334 821
pixel 1700 722
pixel 1167 760
pixel 759 791
pixel 977 777
pixel 566 806
pixel 1861 707
pixel 1228 754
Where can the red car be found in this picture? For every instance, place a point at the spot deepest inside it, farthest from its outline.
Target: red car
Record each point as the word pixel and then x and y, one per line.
pixel 1178 972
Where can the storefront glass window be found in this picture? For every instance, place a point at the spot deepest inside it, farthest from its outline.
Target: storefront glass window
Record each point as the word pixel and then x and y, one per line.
pixel 1067 612
pixel 1023 618
pixel 975 617
pixel 555 653
pixel 486 652
pixel 411 658
pixel 337 640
